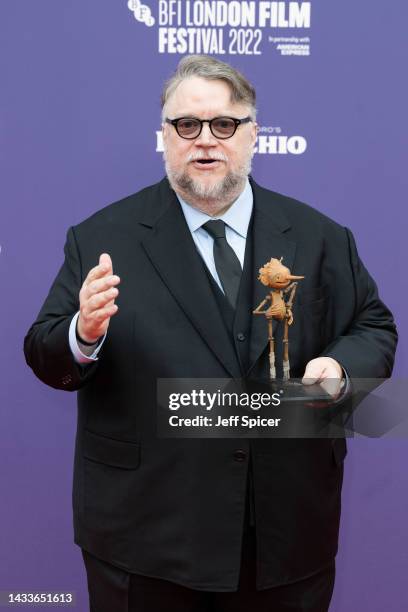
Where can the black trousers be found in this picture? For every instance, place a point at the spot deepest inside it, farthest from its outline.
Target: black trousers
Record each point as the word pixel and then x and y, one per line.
pixel 114 590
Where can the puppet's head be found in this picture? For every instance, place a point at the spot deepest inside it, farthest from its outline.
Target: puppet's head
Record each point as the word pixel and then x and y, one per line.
pixel 275 275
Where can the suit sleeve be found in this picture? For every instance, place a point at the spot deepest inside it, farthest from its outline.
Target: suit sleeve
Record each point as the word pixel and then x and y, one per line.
pixel 366 348
pixel 46 345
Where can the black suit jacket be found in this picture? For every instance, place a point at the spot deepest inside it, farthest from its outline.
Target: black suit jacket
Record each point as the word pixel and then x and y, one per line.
pixel 174 509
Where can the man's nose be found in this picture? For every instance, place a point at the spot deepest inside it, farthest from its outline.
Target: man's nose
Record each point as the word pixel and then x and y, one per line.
pixel 206 138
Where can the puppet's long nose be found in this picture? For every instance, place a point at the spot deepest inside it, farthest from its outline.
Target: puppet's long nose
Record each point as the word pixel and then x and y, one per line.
pixel 292 277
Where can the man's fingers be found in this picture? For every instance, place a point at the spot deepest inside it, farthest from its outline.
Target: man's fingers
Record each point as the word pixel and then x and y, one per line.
pixel 312 373
pixel 106 262
pixel 99 316
pixel 97 272
pixel 104 268
pixel 99 300
pixel 101 284
pixel 321 368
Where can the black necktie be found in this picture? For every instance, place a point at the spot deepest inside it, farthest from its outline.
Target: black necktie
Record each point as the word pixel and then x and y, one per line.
pixel 226 262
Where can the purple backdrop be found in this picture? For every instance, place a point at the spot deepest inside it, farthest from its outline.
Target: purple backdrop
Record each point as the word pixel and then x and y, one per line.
pixel 79 104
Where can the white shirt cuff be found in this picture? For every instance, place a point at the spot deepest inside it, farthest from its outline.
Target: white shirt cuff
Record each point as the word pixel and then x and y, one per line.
pixel 79 350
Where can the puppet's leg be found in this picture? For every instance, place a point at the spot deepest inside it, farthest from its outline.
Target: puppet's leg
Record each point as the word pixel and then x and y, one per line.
pixel 272 370
pixel 288 321
pixel 286 365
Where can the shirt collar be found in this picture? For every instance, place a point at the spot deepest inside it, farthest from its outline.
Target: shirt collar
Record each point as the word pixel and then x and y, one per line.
pixel 237 217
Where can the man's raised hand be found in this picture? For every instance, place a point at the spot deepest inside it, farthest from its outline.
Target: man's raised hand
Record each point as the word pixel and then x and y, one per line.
pixel 97 300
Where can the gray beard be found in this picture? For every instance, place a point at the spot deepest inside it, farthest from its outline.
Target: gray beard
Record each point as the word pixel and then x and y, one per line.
pixel 210 197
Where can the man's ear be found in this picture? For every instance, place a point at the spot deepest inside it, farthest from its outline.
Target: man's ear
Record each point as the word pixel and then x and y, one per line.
pixel 254 133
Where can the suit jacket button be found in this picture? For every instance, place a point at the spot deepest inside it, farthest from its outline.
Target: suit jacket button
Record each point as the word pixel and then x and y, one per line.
pixel 240 454
pixel 241 337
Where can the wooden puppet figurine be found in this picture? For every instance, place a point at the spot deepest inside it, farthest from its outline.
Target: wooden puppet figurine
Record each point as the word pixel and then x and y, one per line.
pixel 281 297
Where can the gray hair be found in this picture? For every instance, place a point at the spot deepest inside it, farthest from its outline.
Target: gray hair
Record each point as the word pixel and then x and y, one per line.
pixel 211 69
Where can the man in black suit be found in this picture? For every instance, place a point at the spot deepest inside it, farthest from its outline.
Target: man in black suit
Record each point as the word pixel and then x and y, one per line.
pixel 203 524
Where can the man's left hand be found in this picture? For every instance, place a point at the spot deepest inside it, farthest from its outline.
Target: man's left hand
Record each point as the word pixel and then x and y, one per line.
pixel 326 371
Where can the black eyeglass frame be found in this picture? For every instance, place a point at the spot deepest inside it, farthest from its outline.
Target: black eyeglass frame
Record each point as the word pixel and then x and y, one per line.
pixel 237 122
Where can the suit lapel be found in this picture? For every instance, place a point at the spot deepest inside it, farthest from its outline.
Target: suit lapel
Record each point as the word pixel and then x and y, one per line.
pixel 171 250
pixel 269 239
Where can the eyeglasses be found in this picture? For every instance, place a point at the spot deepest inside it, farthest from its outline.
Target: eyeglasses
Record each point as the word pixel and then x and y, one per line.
pixel 221 127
